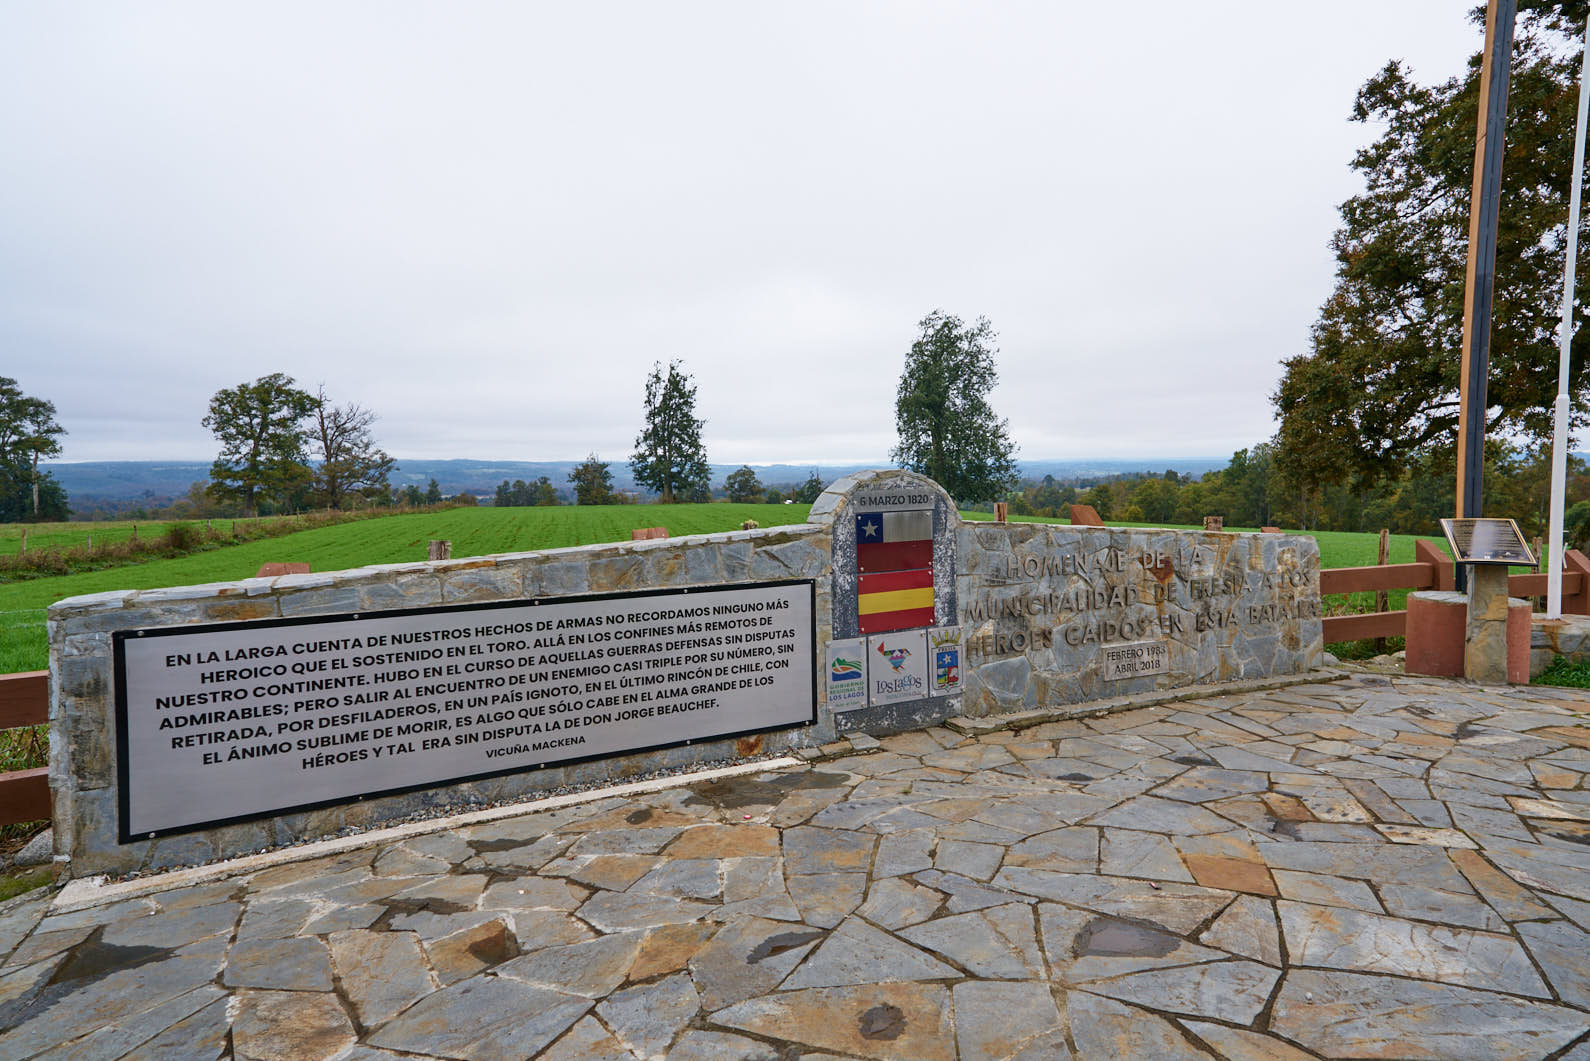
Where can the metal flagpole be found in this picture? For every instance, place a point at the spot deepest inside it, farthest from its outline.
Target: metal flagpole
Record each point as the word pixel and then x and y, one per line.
pixel 1559 434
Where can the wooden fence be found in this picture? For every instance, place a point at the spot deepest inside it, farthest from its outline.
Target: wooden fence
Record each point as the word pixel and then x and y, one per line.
pixel 1432 569
pixel 24 701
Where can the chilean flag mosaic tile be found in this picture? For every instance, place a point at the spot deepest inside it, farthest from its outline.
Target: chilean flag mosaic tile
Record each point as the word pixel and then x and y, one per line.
pixel 894 558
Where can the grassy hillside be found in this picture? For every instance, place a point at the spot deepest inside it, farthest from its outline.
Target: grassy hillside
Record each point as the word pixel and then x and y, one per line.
pixel 473 532
pixel 389 540
pixel 71 535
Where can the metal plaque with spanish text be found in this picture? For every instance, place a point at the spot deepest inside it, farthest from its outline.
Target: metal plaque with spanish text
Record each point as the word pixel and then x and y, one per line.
pixel 232 721
pixel 1487 541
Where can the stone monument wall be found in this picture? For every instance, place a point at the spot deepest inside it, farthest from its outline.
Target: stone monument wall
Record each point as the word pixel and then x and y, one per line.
pixel 896 614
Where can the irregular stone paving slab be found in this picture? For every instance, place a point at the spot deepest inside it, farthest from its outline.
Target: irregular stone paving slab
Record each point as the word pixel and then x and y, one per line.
pixel 1084 946
pixel 857 953
pixel 1563 952
pixel 721 1046
pixel 1000 1021
pixel 1127 853
pixel 825 899
pixel 470 950
pixel 69 1008
pixel 648 1017
pixel 288 1025
pixel 1247 927
pixel 1179 907
pixel 382 973
pixel 998 943
pixel 1149 814
pixel 1432 904
pixel 115 1040
pixel 1340 1014
pixel 296 964
pixel 587 1041
pixel 484 1018
pixel 893 903
pixel 1103 1028
pixel 748 958
pixel 1324 890
pixel 609 912
pixel 1351 939
pixel 1505 895
pixel 1068 850
pixel 884 1021
pixel 1234 1044
pixel 200 1037
pixel 592 968
pixel 1231 991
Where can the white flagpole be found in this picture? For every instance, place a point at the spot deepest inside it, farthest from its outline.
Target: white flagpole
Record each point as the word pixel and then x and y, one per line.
pixel 1559 435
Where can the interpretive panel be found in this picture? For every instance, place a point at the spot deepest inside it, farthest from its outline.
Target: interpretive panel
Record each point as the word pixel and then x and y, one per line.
pixel 234 721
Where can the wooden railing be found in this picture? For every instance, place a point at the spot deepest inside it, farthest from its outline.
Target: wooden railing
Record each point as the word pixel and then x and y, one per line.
pixel 24 701
pixel 1432 569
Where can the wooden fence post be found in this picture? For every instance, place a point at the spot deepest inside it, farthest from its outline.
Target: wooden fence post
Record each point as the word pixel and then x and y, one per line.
pixel 441 549
pixel 1578 603
pixel 1426 552
pixel 1382 598
pixel 23 549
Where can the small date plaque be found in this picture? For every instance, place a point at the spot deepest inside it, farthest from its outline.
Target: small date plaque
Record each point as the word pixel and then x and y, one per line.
pixel 1487 541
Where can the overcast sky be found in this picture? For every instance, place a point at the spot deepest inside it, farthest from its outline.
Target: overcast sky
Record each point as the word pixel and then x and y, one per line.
pixel 486 221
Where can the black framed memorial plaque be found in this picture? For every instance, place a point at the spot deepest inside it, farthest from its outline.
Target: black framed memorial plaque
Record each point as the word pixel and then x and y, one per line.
pixel 230 722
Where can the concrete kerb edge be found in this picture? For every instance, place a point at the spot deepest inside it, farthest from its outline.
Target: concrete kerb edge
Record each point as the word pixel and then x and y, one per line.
pixel 85 892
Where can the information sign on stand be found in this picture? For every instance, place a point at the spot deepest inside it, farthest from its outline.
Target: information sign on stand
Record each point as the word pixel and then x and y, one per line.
pixel 1487 541
pixel 234 721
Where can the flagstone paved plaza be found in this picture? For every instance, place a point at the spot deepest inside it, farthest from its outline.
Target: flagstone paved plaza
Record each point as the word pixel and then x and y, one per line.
pixel 1373 867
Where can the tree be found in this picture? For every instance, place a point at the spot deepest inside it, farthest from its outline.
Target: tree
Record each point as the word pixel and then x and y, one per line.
pixel 946 427
pixel 350 463
pixel 28 431
pixel 260 426
pixel 433 493
pixel 1101 499
pixel 744 487
pixel 669 456
pixel 593 483
pixel 542 492
pixel 809 491
pixel 1380 379
pixel 412 497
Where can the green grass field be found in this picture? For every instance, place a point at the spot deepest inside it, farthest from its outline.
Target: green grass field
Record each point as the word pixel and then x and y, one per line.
pixel 389 540
pixel 70 535
pixel 473 532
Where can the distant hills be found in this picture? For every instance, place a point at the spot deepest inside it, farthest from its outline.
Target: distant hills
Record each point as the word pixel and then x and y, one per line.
pixel 159 482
